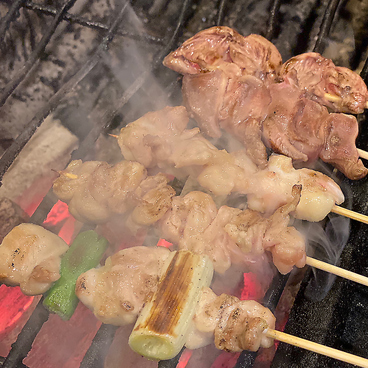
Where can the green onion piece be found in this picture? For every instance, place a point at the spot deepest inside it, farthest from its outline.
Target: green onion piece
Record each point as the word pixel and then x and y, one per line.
pixel 85 253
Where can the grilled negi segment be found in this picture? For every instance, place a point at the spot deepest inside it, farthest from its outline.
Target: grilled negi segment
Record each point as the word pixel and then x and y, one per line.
pixel 187 152
pixel 234 324
pixel 30 258
pixel 117 291
pixel 162 326
pixel 316 76
pixel 95 191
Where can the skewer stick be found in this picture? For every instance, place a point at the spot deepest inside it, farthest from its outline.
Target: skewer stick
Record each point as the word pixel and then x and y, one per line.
pixel 349 213
pixel 332 98
pixel 113 135
pixel 317 348
pixel 68 175
pixel 338 271
pixel 363 154
pixel 366 105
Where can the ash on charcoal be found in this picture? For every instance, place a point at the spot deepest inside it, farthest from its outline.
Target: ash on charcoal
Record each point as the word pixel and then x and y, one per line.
pixel 49 149
pixel 11 215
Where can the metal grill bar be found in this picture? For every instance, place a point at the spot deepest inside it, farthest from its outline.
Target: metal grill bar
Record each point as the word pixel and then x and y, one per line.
pixel 275 7
pixel 51 11
pixel 96 353
pixel 10 15
pixel 36 54
pixel 12 152
pixel 221 12
pixel 326 25
pixel 26 337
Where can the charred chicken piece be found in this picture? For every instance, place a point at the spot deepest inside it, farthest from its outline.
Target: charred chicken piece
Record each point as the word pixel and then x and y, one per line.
pixel 117 291
pixel 234 324
pixel 30 257
pixel 338 88
pixel 96 191
pixel 304 130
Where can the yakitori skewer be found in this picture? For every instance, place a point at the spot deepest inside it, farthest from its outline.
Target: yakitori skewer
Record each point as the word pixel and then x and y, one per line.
pixel 363 154
pixel 338 271
pixel 317 348
pixel 349 213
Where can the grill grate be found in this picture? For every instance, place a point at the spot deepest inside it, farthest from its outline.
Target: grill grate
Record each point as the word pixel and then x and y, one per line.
pixel 95 354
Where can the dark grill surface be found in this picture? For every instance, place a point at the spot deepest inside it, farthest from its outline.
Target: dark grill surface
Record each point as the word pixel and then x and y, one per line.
pixel 92 98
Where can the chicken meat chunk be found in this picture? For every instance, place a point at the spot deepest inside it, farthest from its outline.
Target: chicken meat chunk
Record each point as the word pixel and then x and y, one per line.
pixel 117 291
pixel 304 130
pixel 96 191
pixel 233 324
pixel 272 188
pixel 338 88
pixel 30 257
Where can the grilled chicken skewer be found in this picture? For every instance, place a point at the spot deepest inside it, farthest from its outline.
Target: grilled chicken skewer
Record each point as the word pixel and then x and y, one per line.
pixel 193 222
pixel 160 140
pixel 181 279
pixel 240 76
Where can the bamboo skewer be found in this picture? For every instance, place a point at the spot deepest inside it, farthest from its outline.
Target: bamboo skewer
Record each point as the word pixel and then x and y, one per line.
pixel 332 98
pixel 363 154
pixel 317 348
pixel 338 271
pixel 349 213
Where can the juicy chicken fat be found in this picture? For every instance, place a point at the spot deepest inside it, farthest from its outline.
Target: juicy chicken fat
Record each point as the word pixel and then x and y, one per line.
pixel 117 291
pixel 317 76
pixel 30 257
pixel 233 324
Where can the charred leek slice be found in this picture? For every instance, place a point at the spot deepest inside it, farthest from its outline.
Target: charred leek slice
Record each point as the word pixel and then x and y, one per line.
pixel 162 326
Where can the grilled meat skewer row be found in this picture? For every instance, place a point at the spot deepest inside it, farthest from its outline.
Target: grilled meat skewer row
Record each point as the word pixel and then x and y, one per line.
pixel 232 82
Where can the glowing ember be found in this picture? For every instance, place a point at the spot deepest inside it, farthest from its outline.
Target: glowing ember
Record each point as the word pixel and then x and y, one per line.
pixel 57 214
pixel 184 358
pixel 225 360
pixel 164 243
pixel 13 303
pixel 252 289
